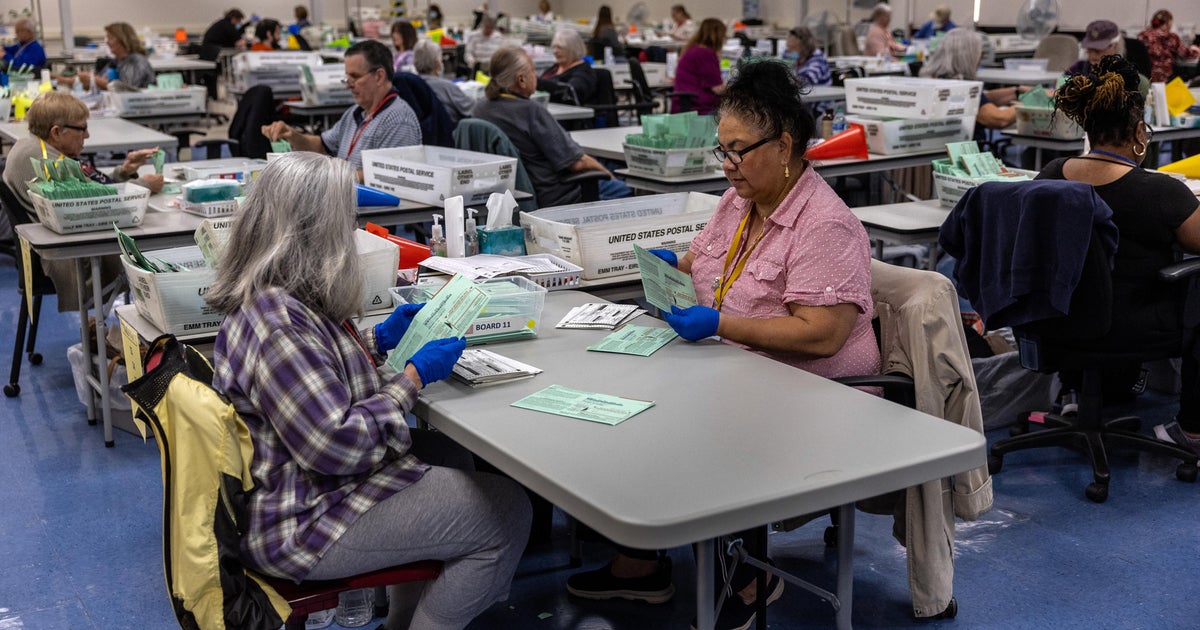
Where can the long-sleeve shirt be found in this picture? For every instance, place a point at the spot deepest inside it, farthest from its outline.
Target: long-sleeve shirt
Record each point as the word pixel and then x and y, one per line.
pixel 880 42
pixel 328 428
pixel 134 70
pixel 815 70
pixel 31 54
pixel 1164 48
pixel 698 72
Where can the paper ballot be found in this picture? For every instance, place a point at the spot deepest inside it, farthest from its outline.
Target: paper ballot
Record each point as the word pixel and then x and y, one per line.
pixel 448 314
pixel 574 403
pixel 663 284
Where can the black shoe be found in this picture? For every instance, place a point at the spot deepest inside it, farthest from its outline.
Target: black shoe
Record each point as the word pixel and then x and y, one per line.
pixel 655 588
pixel 736 614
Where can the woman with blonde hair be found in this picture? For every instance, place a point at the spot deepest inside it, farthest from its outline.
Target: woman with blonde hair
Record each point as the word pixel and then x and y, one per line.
pixel 128 65
pixel 699 68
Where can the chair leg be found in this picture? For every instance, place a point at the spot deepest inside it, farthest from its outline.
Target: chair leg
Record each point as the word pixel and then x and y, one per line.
pixel 13 388
pixel 34 357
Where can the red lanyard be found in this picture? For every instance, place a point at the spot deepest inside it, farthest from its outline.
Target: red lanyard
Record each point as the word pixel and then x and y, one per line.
pixel 367 121
pixel 354 333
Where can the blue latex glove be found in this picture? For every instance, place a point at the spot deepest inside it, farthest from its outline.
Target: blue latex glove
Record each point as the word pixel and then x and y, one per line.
pixel 694 322
pixel 435 360
pixel 666 255
pixel 389 332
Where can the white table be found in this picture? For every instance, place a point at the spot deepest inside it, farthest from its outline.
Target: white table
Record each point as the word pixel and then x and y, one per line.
pixel 604 143
pixel 185 63
pixel 106 134
pixel 908 223
pixel 735 440
pixel 1161 134
pixel 819 93
pixel 1017 77
pixel 562 112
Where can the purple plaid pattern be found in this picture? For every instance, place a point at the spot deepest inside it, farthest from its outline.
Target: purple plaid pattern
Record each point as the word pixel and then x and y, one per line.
pixel 329 432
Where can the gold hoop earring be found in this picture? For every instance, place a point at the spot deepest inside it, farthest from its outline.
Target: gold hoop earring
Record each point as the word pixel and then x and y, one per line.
pixel 1141 153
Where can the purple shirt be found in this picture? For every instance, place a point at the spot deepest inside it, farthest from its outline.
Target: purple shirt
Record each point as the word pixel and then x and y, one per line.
pixel 329 431
pixel 698 72
pixel 816 253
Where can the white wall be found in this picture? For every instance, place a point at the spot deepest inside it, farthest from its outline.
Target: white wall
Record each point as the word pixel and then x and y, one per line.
pixel 164 16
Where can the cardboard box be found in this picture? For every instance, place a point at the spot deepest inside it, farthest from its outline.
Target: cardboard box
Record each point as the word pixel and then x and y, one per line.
pixel 599 237
pixel 430 174
pixel 670 162
pixel 187 100
pixel 907 97
pixel 67 216
pixel 1045 122
pixel 889 136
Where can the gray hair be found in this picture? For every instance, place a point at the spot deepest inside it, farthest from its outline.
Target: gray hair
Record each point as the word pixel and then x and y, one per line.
pixel 426 57
pixel 957 56
pixel 27 22
pixel 506 65
pixel 296 233
pixel 880 9
pixel 570 40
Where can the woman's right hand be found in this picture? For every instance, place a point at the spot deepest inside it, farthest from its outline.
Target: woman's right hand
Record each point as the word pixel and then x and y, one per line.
pixel 435 360
pixel 666 255
pixel 276 131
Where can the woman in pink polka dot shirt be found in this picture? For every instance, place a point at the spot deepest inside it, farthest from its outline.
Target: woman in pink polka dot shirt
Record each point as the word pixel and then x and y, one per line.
pixel 783 269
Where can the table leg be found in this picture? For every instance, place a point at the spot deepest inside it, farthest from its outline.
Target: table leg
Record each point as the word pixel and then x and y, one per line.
pixel 101 350
pixel 845 574
pixel 81 292
pixel 705 618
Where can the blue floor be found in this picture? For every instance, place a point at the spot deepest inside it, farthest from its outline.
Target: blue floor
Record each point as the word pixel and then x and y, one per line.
pixel 80 536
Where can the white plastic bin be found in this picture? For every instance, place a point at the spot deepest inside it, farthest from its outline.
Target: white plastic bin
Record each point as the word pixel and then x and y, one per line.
pixel 127 208
pixel 325 85
pixel 908 97
pixel 950 189
pixel 430 174
pixel 241 169
pixel 513 311
pixel 599 237
pixel 187 100
pixel 174 301
pixel 670 162
pixel 1045 122
pixel 889 136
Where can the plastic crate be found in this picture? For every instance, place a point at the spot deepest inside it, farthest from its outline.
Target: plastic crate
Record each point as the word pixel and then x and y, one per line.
pixel 431 174
pixel 1045 122
pixel 127 208
pixel 174 301
pixel 907 97
pixel 513 310
pixel 568 277
pixel 325 85
pixel 241 169
pixel 670 162
pixel 209 209
pixel 950 189
pixel 188 100
pixel 890 136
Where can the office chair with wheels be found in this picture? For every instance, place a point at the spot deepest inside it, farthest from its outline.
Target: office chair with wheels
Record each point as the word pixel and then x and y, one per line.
pixel 648 97
pixel 476 134
pixel 40 287
pixel 1073 328
pixel 203 446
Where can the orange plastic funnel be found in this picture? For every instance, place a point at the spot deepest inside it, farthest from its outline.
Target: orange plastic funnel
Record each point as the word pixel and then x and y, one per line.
pixel 851 143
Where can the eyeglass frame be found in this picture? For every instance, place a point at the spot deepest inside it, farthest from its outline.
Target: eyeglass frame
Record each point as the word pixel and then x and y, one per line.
pixel 740 154
pixel 348 80
pixel 1149 132
pixel 83 129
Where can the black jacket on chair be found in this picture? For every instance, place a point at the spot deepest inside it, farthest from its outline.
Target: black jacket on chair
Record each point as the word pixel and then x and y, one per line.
pixel 255 109
pixel 437 128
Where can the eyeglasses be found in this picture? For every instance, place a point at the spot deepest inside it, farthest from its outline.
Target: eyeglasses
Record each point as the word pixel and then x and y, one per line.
pixel 76 128
pixel 1149 132
pixel 351 79
pixel 735 156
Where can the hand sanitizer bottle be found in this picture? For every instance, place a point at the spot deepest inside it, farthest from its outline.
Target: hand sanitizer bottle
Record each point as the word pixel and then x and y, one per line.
pixel 437 242
pixel 471 236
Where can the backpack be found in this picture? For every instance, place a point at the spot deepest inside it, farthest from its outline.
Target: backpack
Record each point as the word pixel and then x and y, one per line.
pixel 205 451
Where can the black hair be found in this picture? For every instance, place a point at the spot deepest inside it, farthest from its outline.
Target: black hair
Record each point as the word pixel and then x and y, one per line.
pixel 376 54
pixel 1105 99
pixel 265 28
pixel 234 14
pixel 766 94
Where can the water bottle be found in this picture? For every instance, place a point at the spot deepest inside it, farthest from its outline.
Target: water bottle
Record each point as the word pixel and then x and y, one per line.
pixel 355 608
pixel 839 121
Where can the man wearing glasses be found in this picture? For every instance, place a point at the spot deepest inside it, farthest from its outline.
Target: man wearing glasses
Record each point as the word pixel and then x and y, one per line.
pixel 380 120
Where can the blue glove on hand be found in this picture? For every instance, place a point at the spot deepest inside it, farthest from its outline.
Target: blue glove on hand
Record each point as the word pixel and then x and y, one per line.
pixel 694 322
pixel 435 360
pixel 389 332
pixel 666 255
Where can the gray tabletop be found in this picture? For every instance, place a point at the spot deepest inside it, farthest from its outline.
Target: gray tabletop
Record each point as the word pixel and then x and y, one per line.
pixel 735 440
pixel 105 134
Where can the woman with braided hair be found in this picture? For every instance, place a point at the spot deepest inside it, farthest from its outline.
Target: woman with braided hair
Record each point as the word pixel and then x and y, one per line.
pixel 1155 214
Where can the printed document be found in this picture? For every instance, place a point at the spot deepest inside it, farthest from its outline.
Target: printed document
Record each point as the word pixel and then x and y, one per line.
pixel 483 367
pixel 449 314
pixel 640 340
pixel 574 403
pixel 599 315
pixel 664 285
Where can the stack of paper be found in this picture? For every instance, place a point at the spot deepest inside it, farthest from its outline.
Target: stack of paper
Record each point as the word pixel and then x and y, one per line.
pixel 478 367
pixel 480 265
pixel 134 256
pixel 448 314
pixel 597 316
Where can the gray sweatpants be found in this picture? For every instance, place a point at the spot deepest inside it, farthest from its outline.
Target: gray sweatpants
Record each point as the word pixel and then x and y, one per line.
pixel 476 523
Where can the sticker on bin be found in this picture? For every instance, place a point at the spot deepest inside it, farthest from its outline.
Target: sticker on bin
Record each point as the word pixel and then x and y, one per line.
pixel 431 174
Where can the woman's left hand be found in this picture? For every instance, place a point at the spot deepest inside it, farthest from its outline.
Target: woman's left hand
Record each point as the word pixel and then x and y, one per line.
pixel 694 322
pixel 389 332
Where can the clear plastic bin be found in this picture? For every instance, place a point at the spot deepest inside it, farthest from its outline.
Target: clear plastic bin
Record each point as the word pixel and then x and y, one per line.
pixel 513 312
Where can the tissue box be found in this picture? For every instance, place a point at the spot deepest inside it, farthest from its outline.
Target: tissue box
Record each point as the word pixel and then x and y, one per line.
pixel 508 241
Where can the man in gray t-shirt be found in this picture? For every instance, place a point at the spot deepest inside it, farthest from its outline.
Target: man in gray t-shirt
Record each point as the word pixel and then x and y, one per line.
pixel 381 119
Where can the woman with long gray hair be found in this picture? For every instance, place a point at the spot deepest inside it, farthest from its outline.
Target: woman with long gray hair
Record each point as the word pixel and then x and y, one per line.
pixel 957 57
pixel 342 485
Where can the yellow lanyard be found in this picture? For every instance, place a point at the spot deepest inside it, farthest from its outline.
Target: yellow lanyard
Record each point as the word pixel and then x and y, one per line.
pixel 46 156
pixel 723 284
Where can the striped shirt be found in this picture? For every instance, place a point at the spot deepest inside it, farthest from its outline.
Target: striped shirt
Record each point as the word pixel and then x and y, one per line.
pixel 329 432
pixel 395 125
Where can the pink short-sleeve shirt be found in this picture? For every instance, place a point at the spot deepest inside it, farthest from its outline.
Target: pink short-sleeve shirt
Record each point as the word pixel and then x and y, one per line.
pixel 816 253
